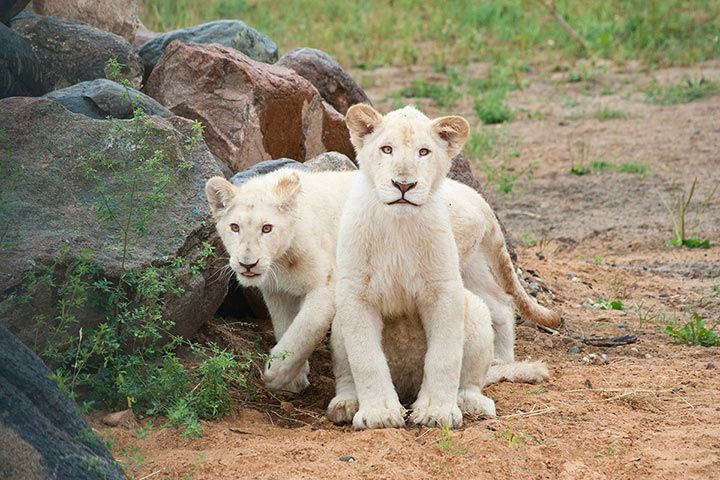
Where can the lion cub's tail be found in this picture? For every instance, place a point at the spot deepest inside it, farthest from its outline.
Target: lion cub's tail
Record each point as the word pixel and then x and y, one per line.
pixel 524 372
pixel 502 266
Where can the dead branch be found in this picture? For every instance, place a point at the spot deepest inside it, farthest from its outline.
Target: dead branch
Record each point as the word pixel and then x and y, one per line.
pixel 566 26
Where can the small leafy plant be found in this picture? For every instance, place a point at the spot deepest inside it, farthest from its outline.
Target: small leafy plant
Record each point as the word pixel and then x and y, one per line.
pixel 603 303
pixel 694 332
pixel 516 438
pixel 680 209
pixel 448 444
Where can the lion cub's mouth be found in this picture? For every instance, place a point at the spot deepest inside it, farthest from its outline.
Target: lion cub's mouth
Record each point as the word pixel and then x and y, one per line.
pixel 403 201
pixel 250 274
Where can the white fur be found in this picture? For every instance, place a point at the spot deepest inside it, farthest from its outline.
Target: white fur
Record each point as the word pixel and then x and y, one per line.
pixel 297 262
pixel 410 329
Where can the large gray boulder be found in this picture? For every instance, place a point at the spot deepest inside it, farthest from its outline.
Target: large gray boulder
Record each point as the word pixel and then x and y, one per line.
pixel 10 8
pixel 72 52
pixel 332 162
pixel 229 33
pixel 335 85
pixel 104 98
pixel 20 71
pixel 43 436
pixel 50 204
pixel 264 167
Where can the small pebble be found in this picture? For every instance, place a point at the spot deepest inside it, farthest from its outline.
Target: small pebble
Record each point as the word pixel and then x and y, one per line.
pixel 540 255
pixel 710 366
pixel 534 289
pixel 347 458
pixel 647 355
pixel 574 350
pixel 595 359
pixel 574 279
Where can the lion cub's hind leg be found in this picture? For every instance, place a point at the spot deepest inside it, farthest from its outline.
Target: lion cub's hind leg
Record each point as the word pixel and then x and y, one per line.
pixel 477 357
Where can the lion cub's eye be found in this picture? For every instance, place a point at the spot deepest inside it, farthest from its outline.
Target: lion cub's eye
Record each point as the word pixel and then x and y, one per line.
pixel 235 227
pixel 386 149
pixel 424 151
pixel 267 228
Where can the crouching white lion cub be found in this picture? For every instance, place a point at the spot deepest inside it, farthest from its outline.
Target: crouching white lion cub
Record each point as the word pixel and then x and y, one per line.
pixel 405 326
pixel 282 240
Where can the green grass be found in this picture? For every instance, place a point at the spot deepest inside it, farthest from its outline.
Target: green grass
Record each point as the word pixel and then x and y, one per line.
pixel 372 32
pixel 686 91
pixel 607 113
pixel 580 169
pixel 638 168
pixel 441 95
pixel 494 155
pixel 694 332
pixel 492 108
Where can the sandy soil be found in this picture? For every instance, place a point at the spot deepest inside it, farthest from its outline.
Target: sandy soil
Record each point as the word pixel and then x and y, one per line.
pixel 650 409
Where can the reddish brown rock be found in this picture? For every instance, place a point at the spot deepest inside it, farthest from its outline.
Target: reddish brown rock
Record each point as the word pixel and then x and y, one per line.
pixel 252 111
pixel 120 17
pixel 335 135
pixel 334 84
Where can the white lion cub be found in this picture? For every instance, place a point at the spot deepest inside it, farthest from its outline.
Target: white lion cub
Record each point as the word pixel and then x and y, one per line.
pixel 282 241
pixel 405 326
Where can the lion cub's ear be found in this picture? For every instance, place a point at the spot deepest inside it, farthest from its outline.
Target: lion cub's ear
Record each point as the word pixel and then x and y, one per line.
pixel 361 120
pixel 219 193
pixel 287 189
pixel 454 130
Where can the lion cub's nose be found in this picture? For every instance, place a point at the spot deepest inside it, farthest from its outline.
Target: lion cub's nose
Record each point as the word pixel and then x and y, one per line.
pixel 404 187
pixel 248 266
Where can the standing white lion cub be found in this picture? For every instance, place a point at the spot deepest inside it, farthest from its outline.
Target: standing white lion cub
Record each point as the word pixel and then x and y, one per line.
pixel 407 325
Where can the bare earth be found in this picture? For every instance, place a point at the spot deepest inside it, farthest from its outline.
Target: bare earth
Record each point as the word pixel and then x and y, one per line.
pixel 652 411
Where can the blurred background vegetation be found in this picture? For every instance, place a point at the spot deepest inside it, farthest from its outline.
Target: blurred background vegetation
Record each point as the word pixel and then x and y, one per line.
pixel 372 33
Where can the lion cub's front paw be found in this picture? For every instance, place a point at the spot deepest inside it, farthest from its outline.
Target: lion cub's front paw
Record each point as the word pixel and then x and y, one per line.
pixel 280 378
pixel 374 417
pixel 342 409
pixel 472 401
pixel 436 415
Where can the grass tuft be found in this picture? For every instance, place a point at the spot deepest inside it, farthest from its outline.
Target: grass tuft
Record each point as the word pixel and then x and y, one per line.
pixel 694 332
pixel 686 91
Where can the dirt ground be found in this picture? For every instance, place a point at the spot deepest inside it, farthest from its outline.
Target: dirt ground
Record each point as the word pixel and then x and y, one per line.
pixel 649 409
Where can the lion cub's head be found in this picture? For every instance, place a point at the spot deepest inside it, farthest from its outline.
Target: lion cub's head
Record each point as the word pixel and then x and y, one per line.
pixel 256 221
pixel 405 154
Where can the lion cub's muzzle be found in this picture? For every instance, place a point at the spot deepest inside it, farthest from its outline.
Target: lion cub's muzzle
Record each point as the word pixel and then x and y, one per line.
pixel 404 187
pixel 248 269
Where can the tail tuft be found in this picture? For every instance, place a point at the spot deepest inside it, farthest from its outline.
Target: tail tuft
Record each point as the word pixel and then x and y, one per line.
pixel 517 372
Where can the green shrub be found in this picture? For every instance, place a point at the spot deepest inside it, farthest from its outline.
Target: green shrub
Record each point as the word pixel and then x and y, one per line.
pixel 130 359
